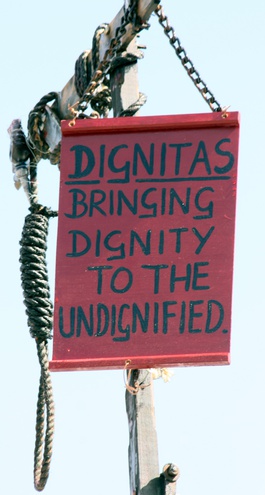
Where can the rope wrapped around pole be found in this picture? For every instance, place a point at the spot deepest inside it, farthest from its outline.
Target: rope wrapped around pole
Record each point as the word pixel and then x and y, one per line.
pixel 39 309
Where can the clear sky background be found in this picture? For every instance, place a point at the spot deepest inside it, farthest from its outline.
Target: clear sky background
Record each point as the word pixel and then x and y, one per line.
pixel 210 420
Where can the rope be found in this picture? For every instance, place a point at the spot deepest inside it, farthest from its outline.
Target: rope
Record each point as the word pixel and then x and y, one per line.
pixel 83 72
pixel 45 402
pixel 132 376
pixel 134 107
pixel 33 181
pixel 95 45
pixel 34 278
pixel 36 120
pixel 102 102
pixel 85 66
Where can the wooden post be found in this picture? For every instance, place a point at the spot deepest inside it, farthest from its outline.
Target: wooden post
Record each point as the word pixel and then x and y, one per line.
pixel 143 451
pixel 124 81
pixel 143 448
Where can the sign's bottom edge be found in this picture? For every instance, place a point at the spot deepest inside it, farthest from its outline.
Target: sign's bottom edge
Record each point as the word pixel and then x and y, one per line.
pixel 222 358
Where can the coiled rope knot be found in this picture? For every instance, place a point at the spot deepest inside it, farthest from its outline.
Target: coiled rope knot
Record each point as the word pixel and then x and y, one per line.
pixel 39 309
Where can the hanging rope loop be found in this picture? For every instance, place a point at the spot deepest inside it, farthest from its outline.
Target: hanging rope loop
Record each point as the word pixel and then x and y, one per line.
pixel 45 406
pixel 34 278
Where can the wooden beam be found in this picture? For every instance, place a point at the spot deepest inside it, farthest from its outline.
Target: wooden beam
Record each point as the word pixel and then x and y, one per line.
pixel 145 9
pixel 143 450
pixel 68 96
pixel 124 82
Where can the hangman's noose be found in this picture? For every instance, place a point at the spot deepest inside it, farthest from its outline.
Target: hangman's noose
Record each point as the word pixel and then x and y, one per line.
pixel 34 278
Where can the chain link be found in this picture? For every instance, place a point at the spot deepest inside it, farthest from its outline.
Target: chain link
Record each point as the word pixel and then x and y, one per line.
pixel 104 67
pixel 186 61
pixel 99 75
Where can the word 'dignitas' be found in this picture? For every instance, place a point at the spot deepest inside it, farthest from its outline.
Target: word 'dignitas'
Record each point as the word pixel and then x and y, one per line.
pixel 168 159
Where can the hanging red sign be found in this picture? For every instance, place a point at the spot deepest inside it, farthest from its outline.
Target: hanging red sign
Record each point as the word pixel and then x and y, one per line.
pixel 145 242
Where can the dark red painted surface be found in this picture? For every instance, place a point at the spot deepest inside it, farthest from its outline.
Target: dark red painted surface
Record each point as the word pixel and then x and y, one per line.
pixel 145 242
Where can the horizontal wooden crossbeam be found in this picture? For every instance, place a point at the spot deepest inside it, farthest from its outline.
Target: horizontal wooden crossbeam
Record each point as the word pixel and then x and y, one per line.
pixel 68 97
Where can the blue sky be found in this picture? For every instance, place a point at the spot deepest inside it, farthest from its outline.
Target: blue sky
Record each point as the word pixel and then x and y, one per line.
pixel 210 420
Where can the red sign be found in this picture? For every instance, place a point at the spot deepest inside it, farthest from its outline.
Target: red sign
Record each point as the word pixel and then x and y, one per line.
pixel 145 242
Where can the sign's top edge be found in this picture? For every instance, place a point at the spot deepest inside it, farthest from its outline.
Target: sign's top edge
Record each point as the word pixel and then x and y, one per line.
pixel 153 123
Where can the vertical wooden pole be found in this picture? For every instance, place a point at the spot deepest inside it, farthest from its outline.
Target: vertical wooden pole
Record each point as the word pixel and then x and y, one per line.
pixel 143 451
pixel 124 80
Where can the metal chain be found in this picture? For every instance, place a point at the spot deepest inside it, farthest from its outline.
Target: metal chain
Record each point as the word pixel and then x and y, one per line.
pixel 100 73
pixel 186 61
pixel 115 45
